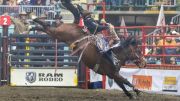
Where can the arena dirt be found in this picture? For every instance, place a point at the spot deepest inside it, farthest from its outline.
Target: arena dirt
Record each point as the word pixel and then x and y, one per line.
pixel 73 94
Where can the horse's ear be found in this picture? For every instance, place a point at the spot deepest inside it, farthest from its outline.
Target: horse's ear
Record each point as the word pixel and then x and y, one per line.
pixel 134 41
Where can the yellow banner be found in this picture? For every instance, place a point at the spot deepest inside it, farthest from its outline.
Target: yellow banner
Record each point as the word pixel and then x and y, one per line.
pixel 170 80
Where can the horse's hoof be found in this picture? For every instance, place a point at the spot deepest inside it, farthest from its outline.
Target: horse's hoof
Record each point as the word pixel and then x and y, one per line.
pixel 132 97
pixel 138 92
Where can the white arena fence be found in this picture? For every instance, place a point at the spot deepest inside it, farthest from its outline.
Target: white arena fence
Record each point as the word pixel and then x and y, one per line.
pixel 147 80
pixel 38 10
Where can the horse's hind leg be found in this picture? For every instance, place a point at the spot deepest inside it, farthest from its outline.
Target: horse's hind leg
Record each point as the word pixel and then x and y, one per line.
pixel 44 24
pixel 37 20
pixel 39 28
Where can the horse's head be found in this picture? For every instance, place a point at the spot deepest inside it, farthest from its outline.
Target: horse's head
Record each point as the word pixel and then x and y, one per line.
pixel 133 52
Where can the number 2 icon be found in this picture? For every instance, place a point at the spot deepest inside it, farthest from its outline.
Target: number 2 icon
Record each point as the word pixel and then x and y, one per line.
pixel 5 21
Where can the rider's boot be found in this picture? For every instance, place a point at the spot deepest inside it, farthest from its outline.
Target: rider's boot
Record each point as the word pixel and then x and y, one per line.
pixel 80 8
pixel 109 55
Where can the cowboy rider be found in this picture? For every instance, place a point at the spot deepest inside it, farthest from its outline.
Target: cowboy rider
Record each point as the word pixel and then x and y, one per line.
pixel 92 26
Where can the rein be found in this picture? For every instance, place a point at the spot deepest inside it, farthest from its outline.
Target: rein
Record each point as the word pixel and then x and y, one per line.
pixel 74 44
pixel 77 41
pixel 134 54
pixel 84 46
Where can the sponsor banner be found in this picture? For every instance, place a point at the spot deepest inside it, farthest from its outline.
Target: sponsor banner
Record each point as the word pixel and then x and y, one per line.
pixel 150 80
pixel 170 84
pixel 43 77
pixel 142 82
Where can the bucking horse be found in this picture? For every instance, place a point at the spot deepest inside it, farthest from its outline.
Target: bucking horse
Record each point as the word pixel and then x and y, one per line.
pixel 90 55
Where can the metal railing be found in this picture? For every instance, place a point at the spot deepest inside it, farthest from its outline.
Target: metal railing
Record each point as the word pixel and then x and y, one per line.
pixel 41 52
pixel 176 20
pixel 38 10
pixel 162 56
pixel 166 3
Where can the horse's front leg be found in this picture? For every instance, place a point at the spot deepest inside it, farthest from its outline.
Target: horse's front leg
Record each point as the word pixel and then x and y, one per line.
pixel 121 81
pixel 126 82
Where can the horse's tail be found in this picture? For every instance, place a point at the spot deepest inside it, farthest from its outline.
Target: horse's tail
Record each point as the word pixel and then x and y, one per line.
pixel 69 6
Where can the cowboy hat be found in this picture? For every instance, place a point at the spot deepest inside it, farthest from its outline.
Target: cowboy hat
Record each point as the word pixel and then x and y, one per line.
pixel 103 20
pixel 174 33
pixel 43 16
pixel 86 13
pixel 23 13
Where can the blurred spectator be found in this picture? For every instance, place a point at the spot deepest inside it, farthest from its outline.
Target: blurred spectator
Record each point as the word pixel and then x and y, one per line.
pixel 173 60
pixel 1 2
pixel 170 41
pixel 39 2
pixel 43 2
pixel 51 2
pixel 24 2
pixel 58 21
pixel 158 42
pixel 12 2
pixel 32 2
pixel 172 29
pixel 170 47
pixel 21 23
pixel 58 6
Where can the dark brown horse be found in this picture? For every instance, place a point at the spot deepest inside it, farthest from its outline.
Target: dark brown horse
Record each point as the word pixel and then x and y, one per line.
pixel 91 57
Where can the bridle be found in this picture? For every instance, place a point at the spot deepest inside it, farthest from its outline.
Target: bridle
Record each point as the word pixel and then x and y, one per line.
pixel 135 55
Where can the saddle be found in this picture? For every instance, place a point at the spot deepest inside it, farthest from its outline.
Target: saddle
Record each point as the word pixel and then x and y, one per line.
pixel 97 40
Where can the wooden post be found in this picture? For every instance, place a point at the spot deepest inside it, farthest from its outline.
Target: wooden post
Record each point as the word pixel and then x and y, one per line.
pixel 5 68
pixel 0 58
pixel 104 16
pixel 5 21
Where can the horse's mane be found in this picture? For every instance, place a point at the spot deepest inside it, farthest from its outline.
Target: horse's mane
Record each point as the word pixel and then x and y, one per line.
pixel 130 40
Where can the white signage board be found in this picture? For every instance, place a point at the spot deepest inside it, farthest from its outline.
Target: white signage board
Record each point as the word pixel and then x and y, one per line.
pixel 150 80
pixel 43 77
pixel 94 77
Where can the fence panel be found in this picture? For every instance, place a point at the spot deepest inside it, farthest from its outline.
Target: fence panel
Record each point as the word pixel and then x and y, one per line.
pixel 40 51
pixel 159 47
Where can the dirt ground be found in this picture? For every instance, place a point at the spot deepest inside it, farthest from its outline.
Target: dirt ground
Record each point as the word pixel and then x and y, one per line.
pixel 73 94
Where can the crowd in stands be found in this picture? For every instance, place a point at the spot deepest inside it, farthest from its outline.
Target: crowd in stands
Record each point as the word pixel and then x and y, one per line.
pixel 166 44
pixel 27 2
pixel 136 4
